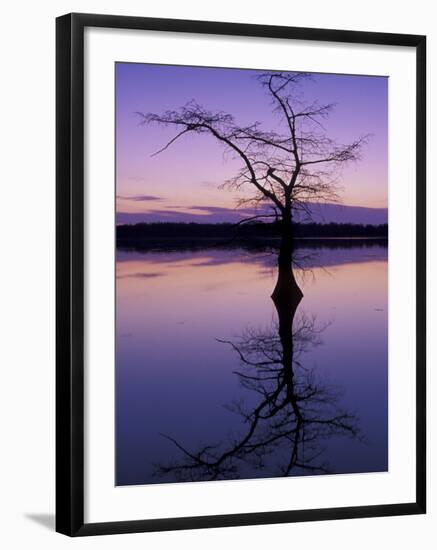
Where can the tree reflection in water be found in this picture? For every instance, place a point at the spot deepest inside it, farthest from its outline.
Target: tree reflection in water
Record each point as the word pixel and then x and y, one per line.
pixel 294 411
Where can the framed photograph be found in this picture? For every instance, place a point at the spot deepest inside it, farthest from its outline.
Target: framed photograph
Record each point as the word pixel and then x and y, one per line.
pixel 240 274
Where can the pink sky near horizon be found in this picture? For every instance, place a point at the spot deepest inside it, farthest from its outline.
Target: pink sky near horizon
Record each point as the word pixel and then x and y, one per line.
pixel 188 174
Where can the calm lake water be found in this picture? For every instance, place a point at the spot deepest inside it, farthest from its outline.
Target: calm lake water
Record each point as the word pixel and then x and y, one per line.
pixel 208 387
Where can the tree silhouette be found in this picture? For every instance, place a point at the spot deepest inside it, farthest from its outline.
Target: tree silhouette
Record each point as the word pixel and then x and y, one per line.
pixel 283 169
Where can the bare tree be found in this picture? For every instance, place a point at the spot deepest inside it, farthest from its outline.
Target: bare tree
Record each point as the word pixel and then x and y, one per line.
pixel 284 169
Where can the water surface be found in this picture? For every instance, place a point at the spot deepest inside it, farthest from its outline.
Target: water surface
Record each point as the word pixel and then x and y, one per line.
pixel 194 330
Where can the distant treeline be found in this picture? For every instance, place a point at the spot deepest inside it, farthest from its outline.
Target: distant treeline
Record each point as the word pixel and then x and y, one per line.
pixel 250 231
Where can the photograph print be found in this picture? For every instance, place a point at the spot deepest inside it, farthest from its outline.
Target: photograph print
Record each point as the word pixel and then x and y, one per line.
pixel 251 274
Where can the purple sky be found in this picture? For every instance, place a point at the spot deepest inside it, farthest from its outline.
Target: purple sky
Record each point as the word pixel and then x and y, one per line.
pixel 184 179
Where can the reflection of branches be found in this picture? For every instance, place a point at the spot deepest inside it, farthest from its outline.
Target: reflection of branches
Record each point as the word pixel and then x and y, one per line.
pixel 293 414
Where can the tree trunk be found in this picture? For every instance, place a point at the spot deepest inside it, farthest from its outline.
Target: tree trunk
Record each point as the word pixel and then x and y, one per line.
pixel 286 297
pixel 286 290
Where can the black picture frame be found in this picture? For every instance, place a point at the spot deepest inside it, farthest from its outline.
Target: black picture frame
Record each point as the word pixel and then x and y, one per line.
pixel 70 273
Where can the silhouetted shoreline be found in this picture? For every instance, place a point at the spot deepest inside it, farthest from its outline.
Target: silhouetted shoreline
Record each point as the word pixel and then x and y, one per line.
pixel 254 235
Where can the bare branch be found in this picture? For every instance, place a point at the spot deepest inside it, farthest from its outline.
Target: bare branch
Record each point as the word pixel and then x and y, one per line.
pixel 283 169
